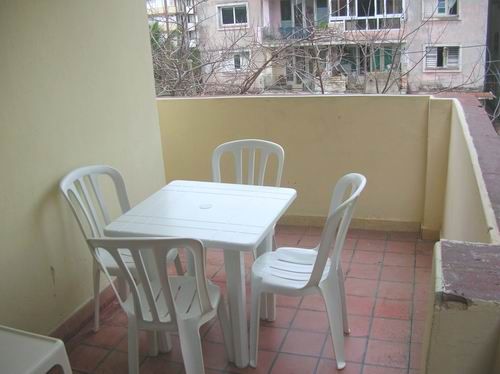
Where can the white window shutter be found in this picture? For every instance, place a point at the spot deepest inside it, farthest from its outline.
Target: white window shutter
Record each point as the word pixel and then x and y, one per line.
pixel 431 57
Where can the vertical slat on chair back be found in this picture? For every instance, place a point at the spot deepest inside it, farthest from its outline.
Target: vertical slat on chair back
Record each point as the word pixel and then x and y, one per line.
pixel 252 146
pixel 82 190
pixel 337 224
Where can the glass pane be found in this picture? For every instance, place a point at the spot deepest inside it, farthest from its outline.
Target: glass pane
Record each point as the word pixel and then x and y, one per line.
pixel 361 24
pixel 335 8
pixel 376 60
pixel 241 14
pixel 286 10
pixel 372 24
pixel 237 61
pixel 227 16
pixel 380 6
pixel 452 7
pixel 297 9
pixel 387 58
pixel 321 11
pixel 440 57
pixel 441 8
pixel 352 7
pixel 366 8
pixel 398 6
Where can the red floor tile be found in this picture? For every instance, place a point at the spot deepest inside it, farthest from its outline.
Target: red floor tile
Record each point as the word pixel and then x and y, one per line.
pixel 417 331
pixel 399 259
pixel 407 248
pixel 116 362
pixel 214 333
pixel 143 343
pixel 308 241
pixel 395 330
pixel 404 235
pixel 107 336
pixel 354 348
pixel 395 290
pixel 86 358
pixel 372 245
pixel 422 292
pixel 346 255
pixel 303 343
pixel 397 274
pixel 369 369
pixel 265 360
pixel 425 248
pixel 423 275
pixel 366 257
pixel 313 302
pixel 415 355
pixel 423 261
pixel 350 243
pixel 392 309
pixel 364 271
pixel 311 321
pixel 367 234
pixel 288 240
pixel 284 317
pixel 387 353
pixel 420 310
pixel 360 287
pixel 291 229
pixel 214 355
pixel 270 338
pixel 158 365
pixel 291 364
pixel 327 366
pixel 359 326
pixel 359 305
pixel 287 301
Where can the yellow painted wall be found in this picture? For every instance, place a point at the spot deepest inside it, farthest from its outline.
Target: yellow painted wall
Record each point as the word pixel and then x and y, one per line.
pixel 76 89
pixel 438 138
pixel 382 137
pixel 468 215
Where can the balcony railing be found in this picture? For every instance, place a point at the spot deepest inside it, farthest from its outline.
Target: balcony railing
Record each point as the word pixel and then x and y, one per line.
pixel 272 33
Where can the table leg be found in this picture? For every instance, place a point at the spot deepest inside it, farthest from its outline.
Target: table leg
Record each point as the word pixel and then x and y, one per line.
pixel 236 294
pixel 268 300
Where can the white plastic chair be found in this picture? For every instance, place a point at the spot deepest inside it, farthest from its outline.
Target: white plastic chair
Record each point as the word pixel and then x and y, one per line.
pixel 300 272
pixel 255 176
pixel 28 353
pixel 82 190
pixel 159 302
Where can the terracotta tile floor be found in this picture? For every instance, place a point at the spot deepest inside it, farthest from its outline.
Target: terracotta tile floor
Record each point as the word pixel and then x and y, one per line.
pixel 387 281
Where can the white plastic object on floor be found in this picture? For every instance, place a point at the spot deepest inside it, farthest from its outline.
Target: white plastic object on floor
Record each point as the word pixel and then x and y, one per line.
pixel 28 353
pixel 162 303
pixel 255 176
pixel 82 189
pixel 299 272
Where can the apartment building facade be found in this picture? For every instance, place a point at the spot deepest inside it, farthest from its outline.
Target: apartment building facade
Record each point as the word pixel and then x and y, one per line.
pixel 375 46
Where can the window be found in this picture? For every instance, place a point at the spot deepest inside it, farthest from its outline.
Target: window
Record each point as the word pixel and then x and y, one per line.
pixel 286 10
pixel 233 15
pixel 442 58
pixel 367 8
pixel 447 7
pixel 238 61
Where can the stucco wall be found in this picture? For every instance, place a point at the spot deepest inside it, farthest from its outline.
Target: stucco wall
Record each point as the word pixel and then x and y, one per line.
pixel 77 89
pixel 468 215
pixel 383 137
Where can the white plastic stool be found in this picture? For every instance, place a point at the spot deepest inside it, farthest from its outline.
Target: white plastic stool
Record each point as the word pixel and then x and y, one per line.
pixel 28 353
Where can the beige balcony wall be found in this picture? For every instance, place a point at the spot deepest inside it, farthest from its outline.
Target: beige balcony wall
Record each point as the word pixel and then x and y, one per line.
pixel 77 89
pixel 468 215
pixel 383 137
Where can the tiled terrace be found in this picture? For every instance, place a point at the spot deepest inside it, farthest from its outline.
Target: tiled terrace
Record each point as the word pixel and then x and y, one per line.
pixel 387 282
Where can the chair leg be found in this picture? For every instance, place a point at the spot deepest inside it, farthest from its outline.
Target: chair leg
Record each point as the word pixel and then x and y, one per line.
pixel 133 346
pixel 164 342
pixel 153 343
pixel 331 295
pixel 254 324
pixel 226 329
pixel 192 355
pixel 345 320
pixel 96 277
pixel 178 265
pixel 61 358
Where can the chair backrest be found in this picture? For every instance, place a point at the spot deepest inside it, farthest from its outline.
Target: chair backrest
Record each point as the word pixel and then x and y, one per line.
pixel 344 199
pixel 82 190
pixel 255 176
pixel 151 291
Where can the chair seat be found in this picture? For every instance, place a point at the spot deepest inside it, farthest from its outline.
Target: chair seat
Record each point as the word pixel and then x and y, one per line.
pixel 287 269
pixel 185 297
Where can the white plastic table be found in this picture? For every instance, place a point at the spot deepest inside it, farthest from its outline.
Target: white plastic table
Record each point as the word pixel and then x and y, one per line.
pixel 236 218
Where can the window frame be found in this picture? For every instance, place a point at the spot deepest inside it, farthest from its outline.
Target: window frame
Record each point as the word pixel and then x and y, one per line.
pixel 443 69
pixel 376 16
pixel 446 14
pixel 230 67
pixel 222 26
